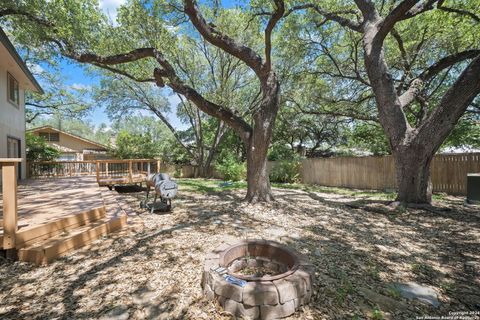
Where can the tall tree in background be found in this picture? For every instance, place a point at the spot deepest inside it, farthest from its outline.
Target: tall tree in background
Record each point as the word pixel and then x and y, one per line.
pixel 415 115
pixel 59 98
pixel 78 31
pixel 207 69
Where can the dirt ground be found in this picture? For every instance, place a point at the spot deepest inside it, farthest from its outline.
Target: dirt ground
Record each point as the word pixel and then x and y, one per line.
pixel 359 250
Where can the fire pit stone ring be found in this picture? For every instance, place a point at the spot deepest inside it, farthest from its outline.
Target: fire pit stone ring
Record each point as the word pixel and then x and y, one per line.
pixel 257 279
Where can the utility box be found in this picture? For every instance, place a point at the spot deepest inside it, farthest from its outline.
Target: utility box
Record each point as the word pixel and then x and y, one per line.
pixel 473 188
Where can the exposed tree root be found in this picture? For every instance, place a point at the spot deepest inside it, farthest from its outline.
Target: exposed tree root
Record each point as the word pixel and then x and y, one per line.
pixel 255 198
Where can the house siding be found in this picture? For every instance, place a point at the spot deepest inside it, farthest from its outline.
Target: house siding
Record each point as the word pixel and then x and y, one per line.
pixel 12 119
pixel 70 145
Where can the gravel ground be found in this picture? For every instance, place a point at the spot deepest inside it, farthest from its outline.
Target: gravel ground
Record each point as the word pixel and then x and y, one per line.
pixel 358 250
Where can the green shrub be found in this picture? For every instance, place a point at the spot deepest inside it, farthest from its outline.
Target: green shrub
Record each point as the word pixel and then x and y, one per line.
pixel 231 169
pixel 38 150
pixel 279 151
pixel 285 172
pixel 178 172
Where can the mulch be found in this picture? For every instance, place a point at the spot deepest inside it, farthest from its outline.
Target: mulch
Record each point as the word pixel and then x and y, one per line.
pixel 357 252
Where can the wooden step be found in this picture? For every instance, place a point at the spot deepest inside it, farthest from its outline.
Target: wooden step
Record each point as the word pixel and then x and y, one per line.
pixel 25 237
pixel 47 250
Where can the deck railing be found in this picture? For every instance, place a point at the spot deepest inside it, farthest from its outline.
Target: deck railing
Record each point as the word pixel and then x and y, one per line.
pixel 125 171
pixel 61 168
pixel 122 171
pixel 9 194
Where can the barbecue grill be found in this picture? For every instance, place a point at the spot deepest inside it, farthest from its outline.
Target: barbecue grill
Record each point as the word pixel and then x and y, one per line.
pixel 164 188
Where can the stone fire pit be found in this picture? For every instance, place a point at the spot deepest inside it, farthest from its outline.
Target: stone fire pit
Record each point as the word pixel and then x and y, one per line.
pixel 257 279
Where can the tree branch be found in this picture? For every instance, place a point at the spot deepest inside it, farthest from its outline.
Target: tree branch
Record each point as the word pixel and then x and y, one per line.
pixel 448 61
pixel 333 16
pixel 276 16
pixel 457 11
pixel 167 70
pixel 131 56
pixel 401 12
pixel 367 7
pixel 238 124
pixel 454 102
pixel 397 14
pixel 351 115
pixel 222 41
pixel 28 15
pixel 416 84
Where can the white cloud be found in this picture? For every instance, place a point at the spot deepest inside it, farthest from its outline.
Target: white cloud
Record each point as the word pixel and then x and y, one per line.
pixel 171 29
pixel 35 68
pixel 80 86
pixel 174 100
pixel 110 7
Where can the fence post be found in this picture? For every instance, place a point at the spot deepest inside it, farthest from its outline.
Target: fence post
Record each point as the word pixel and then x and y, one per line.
pixel 97 169
pixel 148 168
pixel 9 189
pixel 158 166
pixel 130 171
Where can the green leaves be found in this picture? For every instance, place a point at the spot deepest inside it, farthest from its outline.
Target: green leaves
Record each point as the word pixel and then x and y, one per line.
pixel 134 146
pixel 37 149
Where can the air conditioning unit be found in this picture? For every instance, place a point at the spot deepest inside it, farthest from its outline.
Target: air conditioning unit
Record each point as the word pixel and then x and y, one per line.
pixel 473 188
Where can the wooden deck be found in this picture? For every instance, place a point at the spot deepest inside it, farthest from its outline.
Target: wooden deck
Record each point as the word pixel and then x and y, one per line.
pixel 44 200
pixel 58 215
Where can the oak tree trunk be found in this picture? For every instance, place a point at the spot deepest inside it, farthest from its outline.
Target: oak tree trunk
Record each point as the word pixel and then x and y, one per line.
pixel 413 147
pixel 202 171
pixel 258 182
pixel 412 166
pixel 258 189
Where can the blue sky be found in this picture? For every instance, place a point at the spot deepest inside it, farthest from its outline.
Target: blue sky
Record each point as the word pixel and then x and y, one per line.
pixel 75 74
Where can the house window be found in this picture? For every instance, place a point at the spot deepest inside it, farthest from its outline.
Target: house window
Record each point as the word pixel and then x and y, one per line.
pixel 50 136
pixel 13 90
pixel 67 157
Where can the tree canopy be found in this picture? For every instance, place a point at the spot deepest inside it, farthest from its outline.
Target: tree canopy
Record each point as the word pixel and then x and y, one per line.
pixel 399 77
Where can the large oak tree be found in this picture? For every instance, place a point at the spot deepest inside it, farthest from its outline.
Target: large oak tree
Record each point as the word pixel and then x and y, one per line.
pixel 412 91
pixel 75 31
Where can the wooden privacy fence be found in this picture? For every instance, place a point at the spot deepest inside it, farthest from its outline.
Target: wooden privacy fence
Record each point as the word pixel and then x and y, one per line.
pixel 448 172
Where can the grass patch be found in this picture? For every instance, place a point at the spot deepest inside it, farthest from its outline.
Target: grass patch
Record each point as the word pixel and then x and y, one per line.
pixel 377 314
pixel 373 271
pixel 209 185
pixel 447 287
pixel 345 288
pixel 365 194
pixel 213 185
pixel 394 292
pixel 422 269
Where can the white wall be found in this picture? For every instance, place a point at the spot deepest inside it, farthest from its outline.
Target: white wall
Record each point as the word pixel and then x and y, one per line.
pixel 12 118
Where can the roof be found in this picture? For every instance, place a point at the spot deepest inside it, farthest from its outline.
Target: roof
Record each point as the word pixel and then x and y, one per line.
pixel 13 52
pixel 68 134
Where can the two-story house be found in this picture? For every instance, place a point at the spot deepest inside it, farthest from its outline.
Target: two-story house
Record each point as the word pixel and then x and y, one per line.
pixel 15 79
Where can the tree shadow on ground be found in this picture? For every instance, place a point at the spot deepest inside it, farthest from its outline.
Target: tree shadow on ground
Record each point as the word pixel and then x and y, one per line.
pixel 353 251
pixel 435 247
